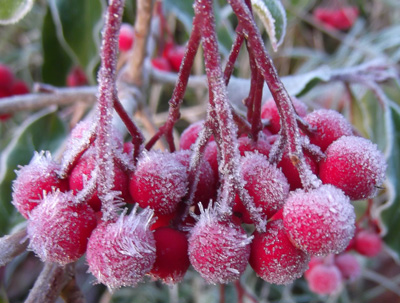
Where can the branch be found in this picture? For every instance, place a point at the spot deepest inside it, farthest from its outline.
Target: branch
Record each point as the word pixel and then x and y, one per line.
pixel 12 246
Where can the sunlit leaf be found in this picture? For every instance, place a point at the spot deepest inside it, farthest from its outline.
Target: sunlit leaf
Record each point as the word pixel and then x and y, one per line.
pixel 11 11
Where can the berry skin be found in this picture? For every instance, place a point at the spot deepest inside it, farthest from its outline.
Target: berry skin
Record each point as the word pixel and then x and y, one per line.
pixel 211 156
pixel 159 182
pixel 341 18
pixel 270 111
pixel 219 251
pixel 76 77
pixel 265 183
pixel 19 87
pixel 39 176
pixel 355 165
pixel 313 262
pixel 126 37
pixel 247 145
pixel 121 253
pixel 59 228
pixel 6 77
pixel 190 134
pixel 320 221
pixel 324 279
pixel 348 266
pixel 368 243
pixel 174 54
pixel 81 174
pixel 172 260
pixel 274 258
pixel 161 63
pixel 330 126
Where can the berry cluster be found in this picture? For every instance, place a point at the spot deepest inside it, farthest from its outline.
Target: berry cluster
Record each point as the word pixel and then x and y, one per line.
pixel 10 86
pixel 68 218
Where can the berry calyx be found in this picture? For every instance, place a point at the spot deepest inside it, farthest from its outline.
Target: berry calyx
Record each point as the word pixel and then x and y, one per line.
pixel 355 165
pixel 320 221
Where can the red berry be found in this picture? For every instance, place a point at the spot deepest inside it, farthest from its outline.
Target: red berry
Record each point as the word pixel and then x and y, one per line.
pixel 320 221
pixel 6 77
pixel 274 258
pixel 355 165
pixel 161 63
pixel 162 220
pixel 368 243
pixel 76 77
pixel 190 134
pixel 175 56
pixel 59 228
pixel 315 260
pixel 269 111
pixel 247 145
pixel 330 126
pixel 82 173
pixel 160 182
pixel 265 183
pixel 342 18
pixel 211 156
pixel 324 279
pixel 39 176
pixel 219 251
pixel 348 266
pixel 121 253
pixel 172 260
pixel 126 37
pixel 19 87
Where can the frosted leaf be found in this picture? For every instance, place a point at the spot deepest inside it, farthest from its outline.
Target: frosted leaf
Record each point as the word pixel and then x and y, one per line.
pixel 121 253
pixel 320 221
pixel 355 165
pixel 219 251
pixel 274 258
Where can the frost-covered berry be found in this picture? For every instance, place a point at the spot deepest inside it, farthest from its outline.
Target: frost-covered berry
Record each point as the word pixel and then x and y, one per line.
pixel 265 183
pixel 82 173
pixel 39 176
pixel 270 111
pixel 121 253
pixel 172 260
pixel 348 266
pixel 355 165
pixel 368 243
pixel 76 77
pixel 330 126
pixel 314 260
pixel 59 228
pixel 19 87
pixel 274 258
pixel 262 146
pixel 320 221
pixel 126 37
pixel 219 251
pixel 174 54
pixel 6 77
pixel 211 156
pixel 190 134
pixel 159 182
pixel 324 279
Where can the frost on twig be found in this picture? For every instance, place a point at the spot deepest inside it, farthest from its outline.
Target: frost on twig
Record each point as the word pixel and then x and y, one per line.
pixel 12 246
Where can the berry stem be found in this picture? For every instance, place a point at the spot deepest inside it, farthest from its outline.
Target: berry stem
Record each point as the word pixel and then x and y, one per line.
pixel 230 65
pixel 12 246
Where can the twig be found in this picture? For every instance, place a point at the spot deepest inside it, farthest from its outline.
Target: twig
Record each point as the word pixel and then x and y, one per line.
pixel 12 246
pixel 71 293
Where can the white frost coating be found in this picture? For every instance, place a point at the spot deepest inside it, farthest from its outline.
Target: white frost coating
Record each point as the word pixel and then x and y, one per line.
pixel 313 226
pixel 219 251
pixel 121 253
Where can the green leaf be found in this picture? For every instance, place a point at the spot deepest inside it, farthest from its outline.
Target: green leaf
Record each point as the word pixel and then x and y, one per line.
pixel 75 27
pixel 11 11
pixel 42 131
pixel 273 16
pixel 183 10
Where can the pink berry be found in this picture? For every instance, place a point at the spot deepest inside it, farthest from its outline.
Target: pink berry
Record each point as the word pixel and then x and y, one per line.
pixel 59 228
pixel 265 183
pixel 247 145
pixel 172 260
pixel 6 77
pixel 159 182
pixel 190 134
pixel 274 258
pixel 320 221
pixel 269 111
pixel 121 253
pixel 348 266
pixel 219 251
pixel 330 126
pixel 161 63
pixel 355 165
pixel 76 77
pixel 174 55
pixel 314 260
pixel 39 176
pixel 126 37
pixel 324 279
pixel 368 243
pixel 341 18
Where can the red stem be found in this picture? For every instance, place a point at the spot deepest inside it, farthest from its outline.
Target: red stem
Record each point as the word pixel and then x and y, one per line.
pixel 230 65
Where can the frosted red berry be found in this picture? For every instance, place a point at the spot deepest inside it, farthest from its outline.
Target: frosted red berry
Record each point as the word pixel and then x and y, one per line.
pixel 219 251
pixel 174 54
pixel 368 243
pixel 172 260
pixel 324 279
pixel 159 182
pixel 262 145
pixel 76 77
pixel 320 221
pixel 121 253
pixel 274 258
pixel 59 228
pixel 355 165
pixel 348 265
pixel 190 134
pixel 329 126
pixel 33 180
pixel 314 260
pixel 126 37
pixel 19 87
